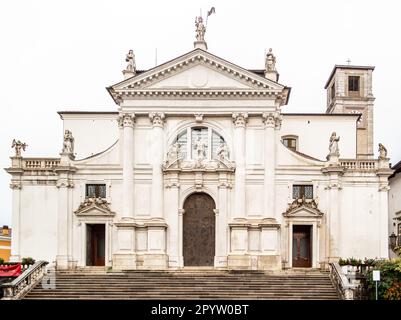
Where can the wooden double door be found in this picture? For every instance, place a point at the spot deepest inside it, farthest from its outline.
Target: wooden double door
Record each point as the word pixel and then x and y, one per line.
pixel 301 246
pixel 199 230
pixel 95 244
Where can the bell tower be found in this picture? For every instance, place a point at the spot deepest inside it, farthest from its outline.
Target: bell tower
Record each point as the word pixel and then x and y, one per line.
pixel 349 90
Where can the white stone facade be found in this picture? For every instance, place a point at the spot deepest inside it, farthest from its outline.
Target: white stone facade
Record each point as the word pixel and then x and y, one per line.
pixel 242 165
pixel 394 204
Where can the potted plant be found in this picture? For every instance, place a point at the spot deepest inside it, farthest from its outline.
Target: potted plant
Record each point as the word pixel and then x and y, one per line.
pixel 27 261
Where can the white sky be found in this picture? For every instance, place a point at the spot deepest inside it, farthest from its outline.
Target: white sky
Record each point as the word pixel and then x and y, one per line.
pixel 60 55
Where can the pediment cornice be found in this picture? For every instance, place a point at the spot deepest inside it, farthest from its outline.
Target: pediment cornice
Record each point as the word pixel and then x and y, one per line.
pixel 303 208
pixel 140 86
pixel 94 207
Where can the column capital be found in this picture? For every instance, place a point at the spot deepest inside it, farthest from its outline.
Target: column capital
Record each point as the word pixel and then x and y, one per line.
pixel 157 119
pixel 126 120
pixel 240 119
pixel 272 120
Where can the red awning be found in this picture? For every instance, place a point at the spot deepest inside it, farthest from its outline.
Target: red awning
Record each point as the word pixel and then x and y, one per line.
pixel 10 271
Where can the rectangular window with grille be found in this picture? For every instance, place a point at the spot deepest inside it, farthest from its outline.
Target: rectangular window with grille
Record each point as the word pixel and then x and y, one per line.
pixel 299 191
pixel 353 83
pixel 95 191
pixel 290 143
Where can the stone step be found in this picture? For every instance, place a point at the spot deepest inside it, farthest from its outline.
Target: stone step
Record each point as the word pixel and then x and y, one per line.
pixel 187 285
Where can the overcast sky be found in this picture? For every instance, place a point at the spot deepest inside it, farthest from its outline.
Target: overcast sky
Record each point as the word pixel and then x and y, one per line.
pixel 60 55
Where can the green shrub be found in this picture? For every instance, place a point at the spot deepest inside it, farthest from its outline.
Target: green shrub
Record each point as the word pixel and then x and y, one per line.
pixel 390 276
pixel 27 260
pixel 349 261
pixel 1 261
pixel 394 292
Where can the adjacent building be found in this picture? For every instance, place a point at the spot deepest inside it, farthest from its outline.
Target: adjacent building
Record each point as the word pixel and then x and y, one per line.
pixel 394 204
pixel 5 243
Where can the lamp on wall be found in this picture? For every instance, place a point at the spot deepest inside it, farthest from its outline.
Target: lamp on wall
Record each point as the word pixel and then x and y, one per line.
pixel 393 240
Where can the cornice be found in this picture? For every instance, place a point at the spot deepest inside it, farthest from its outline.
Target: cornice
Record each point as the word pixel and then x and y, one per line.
pixel 136 87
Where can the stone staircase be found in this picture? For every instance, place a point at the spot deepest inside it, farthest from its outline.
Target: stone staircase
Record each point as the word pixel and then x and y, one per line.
pixel 187 284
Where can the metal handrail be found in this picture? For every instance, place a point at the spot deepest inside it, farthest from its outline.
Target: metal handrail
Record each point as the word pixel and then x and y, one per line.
pixel 25 281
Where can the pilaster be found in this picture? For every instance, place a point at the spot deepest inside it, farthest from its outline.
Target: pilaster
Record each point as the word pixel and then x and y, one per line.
pixel 239 120
pixel 16 186
pixel 125 257
pixel 334 171
pixel 173 218
pixel 272 123
pixel 64 211
pixel 156 206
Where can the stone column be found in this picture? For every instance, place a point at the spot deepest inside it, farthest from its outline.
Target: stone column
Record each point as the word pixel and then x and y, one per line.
pixel 270 120
pixel 128 166
pixel 240 120
pixel 156 205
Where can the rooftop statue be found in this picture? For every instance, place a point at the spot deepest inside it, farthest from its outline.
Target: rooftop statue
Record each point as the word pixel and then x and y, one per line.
pixel 130 58
pixel 270 63
pixel 18 145
pixel 200 29
pixel 68 143
pixel 382 151
pixel 333 147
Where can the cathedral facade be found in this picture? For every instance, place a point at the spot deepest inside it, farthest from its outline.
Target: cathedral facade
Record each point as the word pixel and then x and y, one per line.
pixel 200 167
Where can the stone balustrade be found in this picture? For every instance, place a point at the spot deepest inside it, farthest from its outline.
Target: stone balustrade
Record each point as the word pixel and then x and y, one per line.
pixel 26 281
pixel 360 165
pixel 345 289
pixel 40 163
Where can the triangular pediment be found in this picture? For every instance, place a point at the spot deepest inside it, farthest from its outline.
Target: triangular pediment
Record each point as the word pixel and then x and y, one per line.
pixel 94 207
pixel 200 76
pixel 197 70
pixel 302 208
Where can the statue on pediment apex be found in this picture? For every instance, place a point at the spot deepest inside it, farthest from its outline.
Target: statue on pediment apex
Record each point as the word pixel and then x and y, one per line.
pixel 130 58
pixel 270 63
pixel 200 29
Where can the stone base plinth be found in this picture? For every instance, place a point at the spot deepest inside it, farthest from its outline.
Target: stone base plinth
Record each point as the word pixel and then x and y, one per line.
pixel 124 261
pixel 64 263
pixel 152 261
pixel 254 262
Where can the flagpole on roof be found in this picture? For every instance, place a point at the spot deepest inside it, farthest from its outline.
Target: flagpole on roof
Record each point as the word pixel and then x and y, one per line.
pixel 210 12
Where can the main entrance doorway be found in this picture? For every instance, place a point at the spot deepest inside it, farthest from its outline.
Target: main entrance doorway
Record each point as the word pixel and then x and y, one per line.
pixel 301 246
pixel 199 230
pixel 95 244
